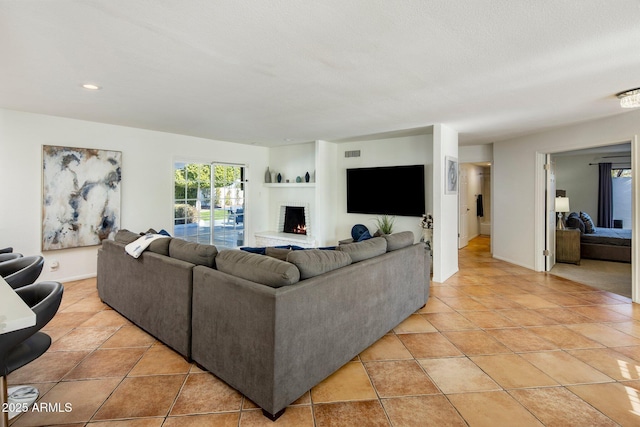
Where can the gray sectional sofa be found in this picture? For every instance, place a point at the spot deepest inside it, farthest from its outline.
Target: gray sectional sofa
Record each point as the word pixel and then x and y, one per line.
pixel 271 326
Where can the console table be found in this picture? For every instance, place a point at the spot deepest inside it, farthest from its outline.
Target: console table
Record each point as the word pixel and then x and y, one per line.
pixel 14 312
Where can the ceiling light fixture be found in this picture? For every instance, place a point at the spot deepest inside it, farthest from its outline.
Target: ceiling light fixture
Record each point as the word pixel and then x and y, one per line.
pixel 629 98
pixel 90 86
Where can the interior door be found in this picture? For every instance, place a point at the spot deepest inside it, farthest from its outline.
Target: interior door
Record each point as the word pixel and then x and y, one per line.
pixel 550 209
pixel 463 208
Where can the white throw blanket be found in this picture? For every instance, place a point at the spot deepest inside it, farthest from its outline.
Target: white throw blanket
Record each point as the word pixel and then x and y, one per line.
pixel 138 246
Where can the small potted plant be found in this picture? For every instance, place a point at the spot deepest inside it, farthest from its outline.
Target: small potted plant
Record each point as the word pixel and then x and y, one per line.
pixel 385 224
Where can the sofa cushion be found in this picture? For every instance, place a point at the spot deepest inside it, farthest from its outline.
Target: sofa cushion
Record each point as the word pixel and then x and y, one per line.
pixel 400 240
pixel 366 249
pixel 160 246
pixel 314 262
pixel 278 253
pixel 126 236
pixel 257 268
pixel 194 253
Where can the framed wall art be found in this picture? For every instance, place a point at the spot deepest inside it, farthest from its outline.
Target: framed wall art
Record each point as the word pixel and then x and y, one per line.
pixel 450 175
pixel 80 196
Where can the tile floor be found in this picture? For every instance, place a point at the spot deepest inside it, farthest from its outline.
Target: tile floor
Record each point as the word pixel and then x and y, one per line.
pixel 497 345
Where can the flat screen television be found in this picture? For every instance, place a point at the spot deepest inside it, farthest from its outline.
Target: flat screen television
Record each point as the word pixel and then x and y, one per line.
pixel 394 190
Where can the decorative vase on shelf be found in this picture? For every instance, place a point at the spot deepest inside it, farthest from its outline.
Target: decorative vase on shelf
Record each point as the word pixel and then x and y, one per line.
pixel 279 177
pixel 267 176
pixel 298 179
pixel 273 177
pixel 306 177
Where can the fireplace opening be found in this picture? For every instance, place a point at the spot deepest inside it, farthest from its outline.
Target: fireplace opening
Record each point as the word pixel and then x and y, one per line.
pixel 294 221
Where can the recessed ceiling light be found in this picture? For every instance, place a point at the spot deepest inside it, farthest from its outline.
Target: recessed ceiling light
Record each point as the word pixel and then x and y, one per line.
pixel 629 98
pixel 90 86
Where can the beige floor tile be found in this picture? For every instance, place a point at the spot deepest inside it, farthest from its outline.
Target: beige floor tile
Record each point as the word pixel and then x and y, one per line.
pixel 89 305
pixel 389 347
pixel 565 368
pixel 422 410
pixel 399 378
pixel 605 335
pixel 512 371
pixel 350 382
pixel 458 375
pixel 531 301
pixel 609 362
pixel 632 327
pixel 293 417
pixel 83 339
pixel 492 409
pixel 129 336
pixel 521 339
pixel 563 299
pixel 413 324
pixel 434 305
pixel 488 319
pixel 429 345
pixel 595 297
pixel 524 317
pixel 69 320
pixel 142 397
pixel 475 342
pixel 204 393
pixel 106 364
pixel 77 400
pixel 51 366
pixel 617 401
pixel 346 414
pixel 106 318
pixel 160 360
pixel 632 352
pixel 558 407
pixel 496 302
pixel 563 315
pixel 600 314
pixel 449 321
pixel 563 337
pixel 445 291
pixel 139 422
pixel 464 303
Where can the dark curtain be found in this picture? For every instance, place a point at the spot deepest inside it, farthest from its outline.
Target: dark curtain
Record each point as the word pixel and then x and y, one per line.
pixel 605 197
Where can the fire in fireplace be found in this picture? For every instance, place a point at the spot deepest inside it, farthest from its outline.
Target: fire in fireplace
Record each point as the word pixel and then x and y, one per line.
pixel 294 221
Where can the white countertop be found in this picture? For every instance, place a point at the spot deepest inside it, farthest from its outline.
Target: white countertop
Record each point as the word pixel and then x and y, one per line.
pixel 14 313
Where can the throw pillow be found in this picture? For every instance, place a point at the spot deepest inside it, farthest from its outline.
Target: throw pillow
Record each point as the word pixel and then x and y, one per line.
pixel 278 253
pixel 126 236
pixel 360 251
pixel 257 268
pixel 314 262
pixel 257 250
pixel 357 231
pixel 400 240
pixel 574 221
pixel 589 226
pixel 364 236
pixel 195 253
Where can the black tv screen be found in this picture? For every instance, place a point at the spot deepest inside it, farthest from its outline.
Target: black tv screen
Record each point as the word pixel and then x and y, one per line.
pixel 395 190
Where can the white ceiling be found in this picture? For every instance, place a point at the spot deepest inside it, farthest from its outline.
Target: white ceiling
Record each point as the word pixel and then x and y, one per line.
pixel 283 71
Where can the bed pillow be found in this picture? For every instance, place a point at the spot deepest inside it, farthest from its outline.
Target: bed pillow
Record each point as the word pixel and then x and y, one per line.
pixel 574 221
pixel 589 226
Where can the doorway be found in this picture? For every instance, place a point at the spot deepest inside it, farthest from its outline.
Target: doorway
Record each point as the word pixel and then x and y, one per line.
pixel 474 202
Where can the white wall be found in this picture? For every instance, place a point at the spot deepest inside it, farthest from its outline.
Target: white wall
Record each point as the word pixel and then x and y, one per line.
pixel 445 206
pixel 475 153
pixel 410 150
pixel 147 177
pixel 474 187
pixel 580 180
pixel 515 185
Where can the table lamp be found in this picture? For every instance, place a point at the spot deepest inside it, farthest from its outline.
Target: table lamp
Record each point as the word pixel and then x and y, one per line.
pixel 562 206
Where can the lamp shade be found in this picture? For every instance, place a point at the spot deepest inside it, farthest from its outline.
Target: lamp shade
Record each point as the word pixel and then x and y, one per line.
pixel 562 204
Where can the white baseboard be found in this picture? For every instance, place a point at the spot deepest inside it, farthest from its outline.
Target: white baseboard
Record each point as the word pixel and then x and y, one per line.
pixel 75 278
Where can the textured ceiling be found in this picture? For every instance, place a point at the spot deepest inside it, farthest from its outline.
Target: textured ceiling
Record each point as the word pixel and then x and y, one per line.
pixel 284 71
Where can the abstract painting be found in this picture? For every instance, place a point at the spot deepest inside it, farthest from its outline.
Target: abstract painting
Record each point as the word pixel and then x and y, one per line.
pixel 450 175
pixel 80 196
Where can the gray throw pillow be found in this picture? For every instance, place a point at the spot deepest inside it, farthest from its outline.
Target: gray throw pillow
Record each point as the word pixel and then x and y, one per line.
pixel 400 240
pixel 278 253
pixel 366 249
pixel 126 236
pixel 257 268
pixel 589 226
pixel 313 262
pixel 160 246
pixel 194 253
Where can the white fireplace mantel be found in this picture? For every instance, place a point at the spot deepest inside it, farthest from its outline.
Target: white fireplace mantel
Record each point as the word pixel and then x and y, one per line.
pixel 278 238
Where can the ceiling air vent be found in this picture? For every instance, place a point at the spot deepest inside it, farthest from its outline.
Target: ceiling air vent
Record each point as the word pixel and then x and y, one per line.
pixel 352 153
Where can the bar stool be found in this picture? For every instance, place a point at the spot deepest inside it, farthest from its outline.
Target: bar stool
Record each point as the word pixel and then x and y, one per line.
pixel 9 256
pixel 23 346
pixel 22 271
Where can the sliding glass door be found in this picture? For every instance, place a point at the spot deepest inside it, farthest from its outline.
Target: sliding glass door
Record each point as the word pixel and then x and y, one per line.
pixel 209 204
